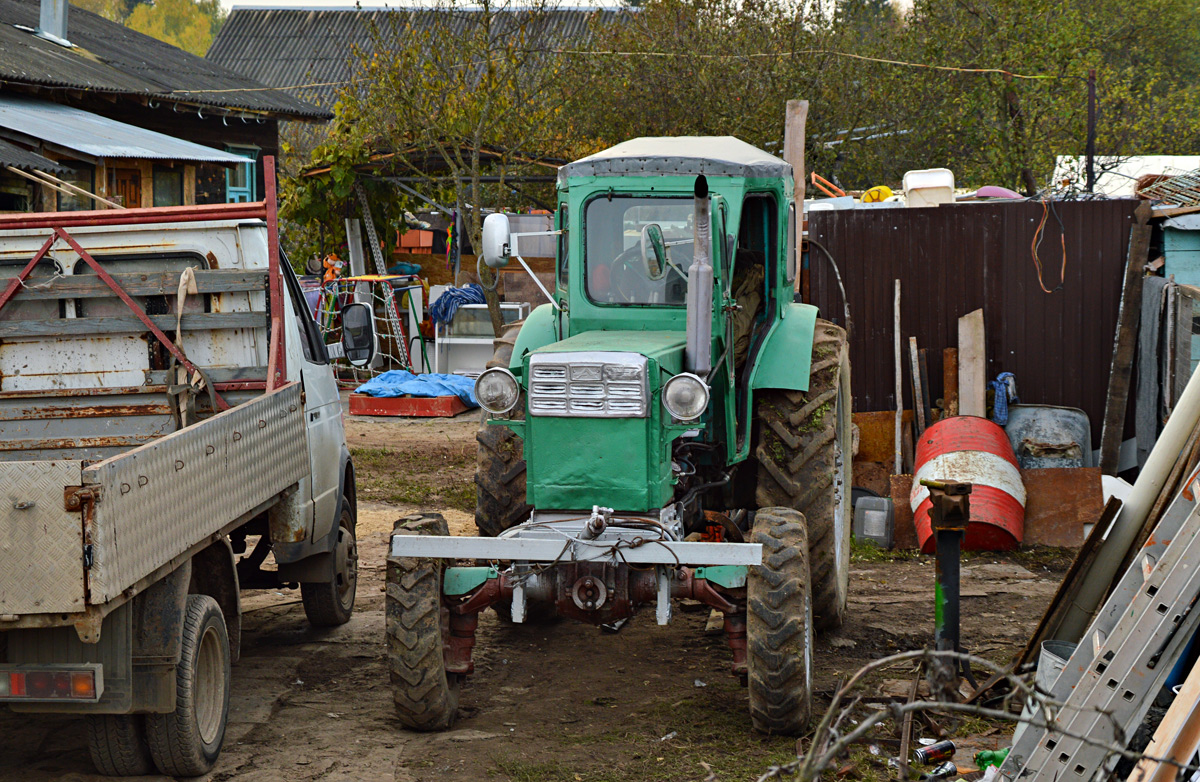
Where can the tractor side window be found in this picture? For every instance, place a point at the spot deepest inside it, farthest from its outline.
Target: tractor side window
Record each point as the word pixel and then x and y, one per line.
pixel 755 246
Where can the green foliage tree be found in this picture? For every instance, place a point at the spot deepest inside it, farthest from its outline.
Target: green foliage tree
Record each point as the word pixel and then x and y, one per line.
pixel 188 24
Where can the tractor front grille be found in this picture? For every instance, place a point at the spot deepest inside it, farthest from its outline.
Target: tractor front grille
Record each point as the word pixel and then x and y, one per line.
pixel 588 385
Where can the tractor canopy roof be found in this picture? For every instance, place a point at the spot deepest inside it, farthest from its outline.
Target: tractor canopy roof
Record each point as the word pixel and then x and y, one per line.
pixel 679 156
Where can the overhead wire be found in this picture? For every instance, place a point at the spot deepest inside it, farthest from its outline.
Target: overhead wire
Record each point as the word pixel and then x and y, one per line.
pixel 1036 243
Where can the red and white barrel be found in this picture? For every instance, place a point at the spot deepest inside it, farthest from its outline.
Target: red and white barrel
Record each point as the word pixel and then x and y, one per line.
pixel 972 450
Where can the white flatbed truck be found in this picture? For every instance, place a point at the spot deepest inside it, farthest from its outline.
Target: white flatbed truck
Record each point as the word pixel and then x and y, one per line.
pixel 168 419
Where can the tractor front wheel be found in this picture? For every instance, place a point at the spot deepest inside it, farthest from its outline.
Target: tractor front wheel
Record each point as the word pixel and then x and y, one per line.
pixel 418 624
pixel 779 624
pixel 804 455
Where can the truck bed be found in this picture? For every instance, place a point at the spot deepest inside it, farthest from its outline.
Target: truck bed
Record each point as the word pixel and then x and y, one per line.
pixel 133 513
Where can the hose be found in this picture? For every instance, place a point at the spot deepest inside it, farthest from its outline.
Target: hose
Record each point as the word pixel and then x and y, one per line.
pixel 838 275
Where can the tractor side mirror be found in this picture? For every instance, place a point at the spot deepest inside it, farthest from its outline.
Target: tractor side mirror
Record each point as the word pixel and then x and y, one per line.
pixel 497 240
pixel 654 251
pixel 358 334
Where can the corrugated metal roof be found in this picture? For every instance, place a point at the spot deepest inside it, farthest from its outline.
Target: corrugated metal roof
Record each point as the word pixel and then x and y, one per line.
pixel 109 57
pixel 680 155
pixel 98 136
pixel 284 47
pixel 12 155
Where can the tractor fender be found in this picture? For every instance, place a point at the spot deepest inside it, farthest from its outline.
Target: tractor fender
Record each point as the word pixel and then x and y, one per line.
pixel 785 357
pixel 536 332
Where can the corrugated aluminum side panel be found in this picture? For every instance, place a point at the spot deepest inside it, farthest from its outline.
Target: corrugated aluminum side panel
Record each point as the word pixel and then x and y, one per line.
pixel 159 500
pixel 41 543
pixel 952 260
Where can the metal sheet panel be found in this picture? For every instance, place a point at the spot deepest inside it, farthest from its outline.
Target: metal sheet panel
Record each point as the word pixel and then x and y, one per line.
pixel 102 137
pixel 41 543
pixel 159 500
pixel 954 259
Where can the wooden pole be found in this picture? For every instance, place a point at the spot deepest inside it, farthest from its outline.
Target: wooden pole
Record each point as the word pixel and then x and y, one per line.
pixel 1128 318
pixel 950 380
pixel 918 394
pixel 899 385
pixel 923 363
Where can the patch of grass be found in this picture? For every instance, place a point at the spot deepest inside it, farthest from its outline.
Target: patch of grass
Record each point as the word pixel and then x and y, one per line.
pixel 861 551
pixel 1050 557
pixel 517 770
pixel 442 476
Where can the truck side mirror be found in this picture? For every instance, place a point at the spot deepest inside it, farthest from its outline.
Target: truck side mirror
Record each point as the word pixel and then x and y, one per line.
pixel 654 251
pixel 358 334
pixel 497 240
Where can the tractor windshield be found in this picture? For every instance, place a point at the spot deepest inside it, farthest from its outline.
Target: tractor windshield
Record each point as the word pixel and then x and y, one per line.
pixel 616 272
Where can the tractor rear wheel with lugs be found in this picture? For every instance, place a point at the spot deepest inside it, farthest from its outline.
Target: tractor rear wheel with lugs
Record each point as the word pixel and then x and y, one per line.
pixel 804 456
pixel 500 466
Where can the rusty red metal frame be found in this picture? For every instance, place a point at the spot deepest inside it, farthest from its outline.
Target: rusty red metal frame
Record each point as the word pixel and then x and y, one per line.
pixel 133 305
pixel 266 210
pixel 276 357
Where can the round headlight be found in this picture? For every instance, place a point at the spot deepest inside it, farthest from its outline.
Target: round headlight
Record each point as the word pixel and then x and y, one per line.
pixel 497 390
pixel 685 396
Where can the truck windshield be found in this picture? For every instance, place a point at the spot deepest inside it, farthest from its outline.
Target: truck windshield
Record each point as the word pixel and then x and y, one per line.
pixel 614 270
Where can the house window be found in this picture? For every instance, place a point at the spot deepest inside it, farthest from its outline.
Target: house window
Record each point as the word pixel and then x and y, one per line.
pixel 83 175
pixel 240 179
pixel 16 193
pixel 168 186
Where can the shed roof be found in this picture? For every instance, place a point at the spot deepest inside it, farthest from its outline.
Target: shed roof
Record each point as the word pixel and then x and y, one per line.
pixel 111 58
pixel 680 155
pixel 98 136
pixel 288 47
pixel 12 155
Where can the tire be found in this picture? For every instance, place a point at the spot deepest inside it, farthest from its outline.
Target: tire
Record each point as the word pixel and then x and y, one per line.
pixel 804 458
pixel 117 744
pixel 331 603
pixel 500 466
pixel 779 624
pixel 187 742
pixel 426 696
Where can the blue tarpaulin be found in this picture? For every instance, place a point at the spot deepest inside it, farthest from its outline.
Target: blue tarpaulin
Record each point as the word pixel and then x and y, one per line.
pixel 398 382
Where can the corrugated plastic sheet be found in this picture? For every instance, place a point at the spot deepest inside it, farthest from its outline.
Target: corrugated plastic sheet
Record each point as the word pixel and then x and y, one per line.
pixel 952 260
pixel 285 48
pixel 99 136
pixel 111 58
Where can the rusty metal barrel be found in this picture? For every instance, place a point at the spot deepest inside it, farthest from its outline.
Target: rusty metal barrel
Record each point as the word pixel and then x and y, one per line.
pixel 972 450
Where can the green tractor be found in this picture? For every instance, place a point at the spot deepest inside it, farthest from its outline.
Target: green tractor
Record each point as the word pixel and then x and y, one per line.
pixel 673 425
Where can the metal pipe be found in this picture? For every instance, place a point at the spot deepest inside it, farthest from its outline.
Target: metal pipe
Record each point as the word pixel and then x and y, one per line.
pixel 1134 511
pixel 159 214
pixel 700 287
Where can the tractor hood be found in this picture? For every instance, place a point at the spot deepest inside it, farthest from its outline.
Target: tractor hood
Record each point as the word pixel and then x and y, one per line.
pixel 594 429
pixel 664 348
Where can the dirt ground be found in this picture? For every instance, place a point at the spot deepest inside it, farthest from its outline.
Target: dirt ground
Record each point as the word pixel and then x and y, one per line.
pixel 556 702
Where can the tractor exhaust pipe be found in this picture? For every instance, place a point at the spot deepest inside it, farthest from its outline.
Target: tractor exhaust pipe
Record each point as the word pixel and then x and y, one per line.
pixel 698 355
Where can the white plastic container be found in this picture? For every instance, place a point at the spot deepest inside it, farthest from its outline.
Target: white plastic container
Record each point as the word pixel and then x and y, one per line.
pixel 929 187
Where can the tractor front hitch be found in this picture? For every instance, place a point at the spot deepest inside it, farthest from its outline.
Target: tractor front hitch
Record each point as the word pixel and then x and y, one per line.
pixel 592 592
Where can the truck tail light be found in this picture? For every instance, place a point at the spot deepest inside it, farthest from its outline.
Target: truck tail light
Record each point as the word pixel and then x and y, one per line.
pixel 82 683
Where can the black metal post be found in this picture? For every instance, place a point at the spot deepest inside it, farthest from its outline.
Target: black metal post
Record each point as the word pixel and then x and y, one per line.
pixel 1091 132
pixel 949 515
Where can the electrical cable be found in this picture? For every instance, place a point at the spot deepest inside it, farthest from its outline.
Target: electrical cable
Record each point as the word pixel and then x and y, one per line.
pixel 838 275
pixel 1036 243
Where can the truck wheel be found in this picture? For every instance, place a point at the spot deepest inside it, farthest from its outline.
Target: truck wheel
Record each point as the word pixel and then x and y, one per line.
pixel 418 625
pixel 779 624
pixel 330 603
pixel 117 744
pixel 186 742
pixel 500 468
pixel 804 457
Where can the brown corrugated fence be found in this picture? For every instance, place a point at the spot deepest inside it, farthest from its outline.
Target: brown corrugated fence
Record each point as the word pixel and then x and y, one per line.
pixel 955 259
